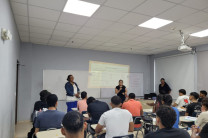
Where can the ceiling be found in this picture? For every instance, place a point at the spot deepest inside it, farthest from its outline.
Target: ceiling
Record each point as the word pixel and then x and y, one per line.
pixel 114 26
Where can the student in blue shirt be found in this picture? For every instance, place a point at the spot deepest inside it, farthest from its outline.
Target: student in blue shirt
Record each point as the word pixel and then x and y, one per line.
pixel 72 93
pixel 50 118
pixel 167 100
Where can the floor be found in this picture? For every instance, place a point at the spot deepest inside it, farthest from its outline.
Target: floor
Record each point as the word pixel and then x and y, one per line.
pixel 21 130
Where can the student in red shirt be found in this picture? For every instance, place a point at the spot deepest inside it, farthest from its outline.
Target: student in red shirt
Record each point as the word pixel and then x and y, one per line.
pixel 133 106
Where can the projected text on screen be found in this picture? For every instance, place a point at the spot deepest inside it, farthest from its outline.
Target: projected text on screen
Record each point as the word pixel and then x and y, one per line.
pixel 107 75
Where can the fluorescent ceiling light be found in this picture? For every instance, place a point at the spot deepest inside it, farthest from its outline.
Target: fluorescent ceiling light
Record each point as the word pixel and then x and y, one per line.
pixel 203 33
pixel 80 7
pixel 155 23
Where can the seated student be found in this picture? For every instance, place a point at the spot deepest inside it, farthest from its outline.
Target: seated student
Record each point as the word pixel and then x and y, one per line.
pixel 199 133
pixel 50 118
pixel 194 106
pixel 95 109
pixel 118 122
pixel 73 125
pixel 165 119
pixel 133 106
pixel 203 94
pixel 39 105
pixel 182 100
pixel 82 104
pixel 203 117
pixel 157 103
pixel 167 100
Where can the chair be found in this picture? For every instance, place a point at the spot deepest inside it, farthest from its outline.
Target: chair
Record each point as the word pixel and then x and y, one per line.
pixel 137 121
pixel 148 124
pixel 90 131
pixel 126 136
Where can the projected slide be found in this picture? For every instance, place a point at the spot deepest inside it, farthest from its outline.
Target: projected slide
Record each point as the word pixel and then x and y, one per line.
pixel 107 75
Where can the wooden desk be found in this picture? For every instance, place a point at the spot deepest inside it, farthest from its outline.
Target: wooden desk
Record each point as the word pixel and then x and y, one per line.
pixel 190 132
pixel 187 119
pixel 181 110
pixel 50 134
pixel 74 109
pixel 86 115
pixel 104 130
pixel 147 110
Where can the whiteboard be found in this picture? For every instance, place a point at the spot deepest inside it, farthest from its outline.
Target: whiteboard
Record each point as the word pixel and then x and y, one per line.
pixel 54 81
pixel 178 71
pixel 106 75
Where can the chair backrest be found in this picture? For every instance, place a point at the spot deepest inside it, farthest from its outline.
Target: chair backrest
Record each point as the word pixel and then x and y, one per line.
pixel 51 129
pixel 137 119
pixel 126 136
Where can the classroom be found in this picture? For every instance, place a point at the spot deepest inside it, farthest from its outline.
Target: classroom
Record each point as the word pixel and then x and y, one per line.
pixel 104 68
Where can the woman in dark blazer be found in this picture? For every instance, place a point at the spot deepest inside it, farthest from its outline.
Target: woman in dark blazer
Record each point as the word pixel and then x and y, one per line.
pixel 72 93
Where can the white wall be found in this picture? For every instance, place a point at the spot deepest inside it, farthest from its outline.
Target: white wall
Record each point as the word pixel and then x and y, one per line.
pixel 38 57
pixel 171 53
pixel 9 53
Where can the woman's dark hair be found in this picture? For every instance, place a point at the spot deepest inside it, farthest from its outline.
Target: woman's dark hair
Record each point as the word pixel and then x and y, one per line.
pixel 167 116
pixel 132 96
pixel 51 100
pixel 205 102
pixel 73 122
pixel 203 92
pixel 116 100
pixel 90 100
pixel 167 99
pixel 120 80
pixel 68 78
pixel 183 91
pixel 83 94
pixel 44 94
pixel 162 79
pixel 195 95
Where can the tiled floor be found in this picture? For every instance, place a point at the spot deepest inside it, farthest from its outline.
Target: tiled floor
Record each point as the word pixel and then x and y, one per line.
pixel 21 130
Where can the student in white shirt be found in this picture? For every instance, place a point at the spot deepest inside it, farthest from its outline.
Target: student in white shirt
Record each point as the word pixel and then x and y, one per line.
pixel 118 122
pixel 182 100
pixel 203 117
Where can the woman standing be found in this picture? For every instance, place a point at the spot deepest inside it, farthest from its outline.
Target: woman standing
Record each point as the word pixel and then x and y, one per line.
pixel 164 87
pixel 72 93
pixel 121 91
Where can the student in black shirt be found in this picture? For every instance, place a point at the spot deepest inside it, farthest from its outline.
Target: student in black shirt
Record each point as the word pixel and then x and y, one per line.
pixel 194 107
pixel 121 91
pixel 95 109
pixel 39 105
pixel 164 87
pixel 202 95
pixel 165 119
